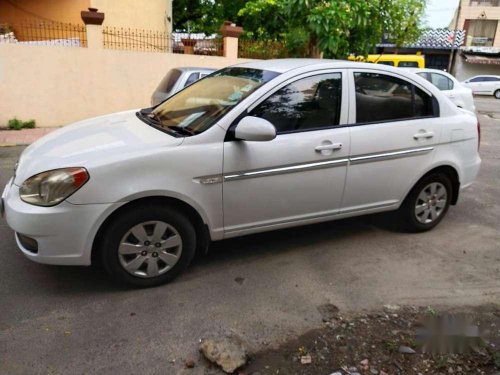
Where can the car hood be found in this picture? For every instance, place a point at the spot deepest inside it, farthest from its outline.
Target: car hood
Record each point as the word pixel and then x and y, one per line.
pixel 92 142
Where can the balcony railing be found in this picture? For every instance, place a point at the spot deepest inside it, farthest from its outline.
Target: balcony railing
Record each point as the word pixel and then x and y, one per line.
pixel 44 33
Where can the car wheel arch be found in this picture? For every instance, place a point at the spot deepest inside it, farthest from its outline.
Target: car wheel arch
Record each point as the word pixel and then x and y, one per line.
pixel 450 171
pixel 202 232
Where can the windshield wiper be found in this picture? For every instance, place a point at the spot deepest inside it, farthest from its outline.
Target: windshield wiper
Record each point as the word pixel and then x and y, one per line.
pixel 181 130
pixel 155 120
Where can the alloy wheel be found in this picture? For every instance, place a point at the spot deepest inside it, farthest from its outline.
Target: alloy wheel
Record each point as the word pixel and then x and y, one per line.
pixel 150 249
pixel 431 203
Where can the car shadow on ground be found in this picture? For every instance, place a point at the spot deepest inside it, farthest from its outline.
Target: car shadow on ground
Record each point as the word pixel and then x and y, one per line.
pixel 91 280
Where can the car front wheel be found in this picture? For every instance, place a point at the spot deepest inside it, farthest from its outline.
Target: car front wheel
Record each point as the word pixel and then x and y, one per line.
pixel 426 204
pixel 497 94
pixel 148 245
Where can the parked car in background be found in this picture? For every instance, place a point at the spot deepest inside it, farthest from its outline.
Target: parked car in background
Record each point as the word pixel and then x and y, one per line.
pixel 400 61
pixel 175 80
pixel 484 85
pixel 251 148
pixel 450 86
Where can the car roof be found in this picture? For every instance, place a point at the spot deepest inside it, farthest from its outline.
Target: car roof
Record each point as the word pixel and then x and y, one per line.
pixel 285 65
pixel 194 68
pixel 485 75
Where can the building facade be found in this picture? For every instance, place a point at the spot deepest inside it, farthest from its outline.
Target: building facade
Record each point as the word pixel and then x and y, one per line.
pixel 480 20
pixel 135 14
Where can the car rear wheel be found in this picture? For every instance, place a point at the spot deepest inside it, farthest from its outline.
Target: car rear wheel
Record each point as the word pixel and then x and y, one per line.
pixel 426 204
pixel 148 245
pixel 497 94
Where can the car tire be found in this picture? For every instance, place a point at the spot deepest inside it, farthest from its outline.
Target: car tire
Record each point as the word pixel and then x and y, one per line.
pixel 426 204
pixel 497 94
pixel 147 245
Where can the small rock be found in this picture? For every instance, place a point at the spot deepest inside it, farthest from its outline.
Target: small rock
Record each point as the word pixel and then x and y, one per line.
pixel 189 364
pixel 336 373
pixel 364 362
pixel 406 350
pixel 391 308
pixel 239 280
pixel 373 371
pixel 305 359
pixel 228 352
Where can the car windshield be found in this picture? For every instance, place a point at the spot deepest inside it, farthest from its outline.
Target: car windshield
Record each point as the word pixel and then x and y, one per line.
pixel 200 105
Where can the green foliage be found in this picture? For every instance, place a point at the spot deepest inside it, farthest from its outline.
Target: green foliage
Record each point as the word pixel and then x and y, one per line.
pixel 30 124
pixel 333 28
pixel 204 16
pixel 16 124
pixel 340 27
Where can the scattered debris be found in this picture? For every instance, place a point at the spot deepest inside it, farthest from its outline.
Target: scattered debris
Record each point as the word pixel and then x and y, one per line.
pixel 228 352
pixel 239 280
pixel 406 350
pixel 305 359
pixel 379 343
pixel 189 364
pixel 328 312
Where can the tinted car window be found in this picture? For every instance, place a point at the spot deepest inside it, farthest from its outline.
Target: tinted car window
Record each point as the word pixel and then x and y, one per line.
pixel 381 97
pixel 193 77
pixel 408 64
pixel 167 83
pixel 390 63
pixel 477 79
pixel 491 79
pixel 309 103
pixel 423 103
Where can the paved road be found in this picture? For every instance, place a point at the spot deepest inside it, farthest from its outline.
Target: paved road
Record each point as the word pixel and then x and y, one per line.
pixel 73 320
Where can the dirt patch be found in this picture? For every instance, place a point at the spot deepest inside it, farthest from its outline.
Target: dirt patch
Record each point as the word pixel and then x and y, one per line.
pixel 394 341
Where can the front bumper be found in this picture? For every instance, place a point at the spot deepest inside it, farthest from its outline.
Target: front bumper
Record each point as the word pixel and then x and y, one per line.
pixel 64 233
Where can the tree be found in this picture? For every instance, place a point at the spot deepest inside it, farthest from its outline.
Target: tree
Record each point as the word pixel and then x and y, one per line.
pixel 332 28
pixel 204 16
pixel 335 28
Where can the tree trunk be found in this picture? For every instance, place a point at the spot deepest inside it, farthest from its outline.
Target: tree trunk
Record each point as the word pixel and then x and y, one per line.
pixel 314 51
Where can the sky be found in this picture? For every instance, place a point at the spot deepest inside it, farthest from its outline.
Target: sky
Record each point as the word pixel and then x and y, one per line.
pixel 440 12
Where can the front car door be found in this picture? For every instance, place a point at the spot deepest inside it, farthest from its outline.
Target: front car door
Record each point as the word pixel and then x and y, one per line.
pixel 394 130
pixel 299 176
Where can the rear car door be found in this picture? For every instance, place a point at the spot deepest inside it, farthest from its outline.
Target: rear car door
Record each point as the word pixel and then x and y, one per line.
pixel 394 130
pixel 300 174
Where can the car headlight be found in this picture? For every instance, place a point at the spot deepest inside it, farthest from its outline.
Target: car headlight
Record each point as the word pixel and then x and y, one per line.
pixel 52 187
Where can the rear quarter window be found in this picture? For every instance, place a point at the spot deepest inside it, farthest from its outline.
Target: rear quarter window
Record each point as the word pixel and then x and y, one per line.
pixel 168 82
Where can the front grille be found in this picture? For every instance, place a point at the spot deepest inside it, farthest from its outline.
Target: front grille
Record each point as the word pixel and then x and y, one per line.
pixel 28 243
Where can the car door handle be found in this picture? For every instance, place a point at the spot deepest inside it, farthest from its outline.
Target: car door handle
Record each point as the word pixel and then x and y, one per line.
pixel 423 135
pixel 327 147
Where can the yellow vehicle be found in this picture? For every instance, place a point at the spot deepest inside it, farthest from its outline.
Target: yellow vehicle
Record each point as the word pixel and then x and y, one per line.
pixel 402 61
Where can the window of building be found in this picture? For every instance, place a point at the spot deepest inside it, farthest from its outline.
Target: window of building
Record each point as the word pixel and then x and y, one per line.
pixel 481 32
pixel 381 97
pixel 309 103
pixel 485 3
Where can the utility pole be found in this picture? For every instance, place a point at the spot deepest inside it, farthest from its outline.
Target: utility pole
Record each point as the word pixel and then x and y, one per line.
pixel 452 53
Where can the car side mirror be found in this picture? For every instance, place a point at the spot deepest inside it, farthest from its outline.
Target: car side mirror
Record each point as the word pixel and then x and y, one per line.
pixel 254 129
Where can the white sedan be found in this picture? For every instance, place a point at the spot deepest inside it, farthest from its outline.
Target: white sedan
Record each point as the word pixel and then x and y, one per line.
pixel 484 85
pixel 251 148
pixel 458 93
